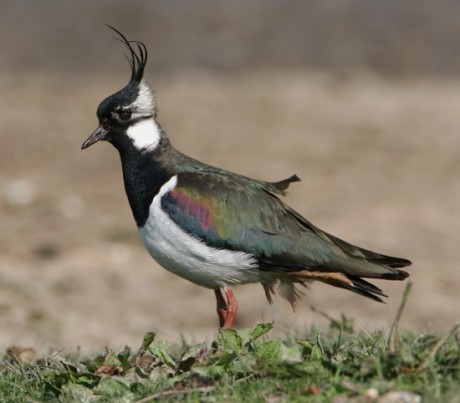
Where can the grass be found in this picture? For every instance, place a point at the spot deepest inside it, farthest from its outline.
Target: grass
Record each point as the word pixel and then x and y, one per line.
pixel 339 365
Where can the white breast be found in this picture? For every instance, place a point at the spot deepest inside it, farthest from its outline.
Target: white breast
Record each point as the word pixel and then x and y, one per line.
pixel 190 258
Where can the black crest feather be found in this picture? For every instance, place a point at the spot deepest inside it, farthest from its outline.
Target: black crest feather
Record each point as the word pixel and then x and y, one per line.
pixel 137 57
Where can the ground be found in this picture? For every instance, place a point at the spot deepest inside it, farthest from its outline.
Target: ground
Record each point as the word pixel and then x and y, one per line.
pixel 379 163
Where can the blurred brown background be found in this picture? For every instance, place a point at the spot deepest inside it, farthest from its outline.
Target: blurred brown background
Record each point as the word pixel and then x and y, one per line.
pixel 360 98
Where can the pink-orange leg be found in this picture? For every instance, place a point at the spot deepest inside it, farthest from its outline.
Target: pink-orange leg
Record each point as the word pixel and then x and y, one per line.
pixel 226 309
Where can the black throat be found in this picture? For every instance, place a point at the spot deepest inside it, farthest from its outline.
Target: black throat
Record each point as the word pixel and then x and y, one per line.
pixel 144 173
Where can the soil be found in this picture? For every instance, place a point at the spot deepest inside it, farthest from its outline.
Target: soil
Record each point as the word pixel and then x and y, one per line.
pixel 379 162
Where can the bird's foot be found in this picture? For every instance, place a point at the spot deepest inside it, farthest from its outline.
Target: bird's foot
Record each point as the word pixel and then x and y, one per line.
pixel 226 309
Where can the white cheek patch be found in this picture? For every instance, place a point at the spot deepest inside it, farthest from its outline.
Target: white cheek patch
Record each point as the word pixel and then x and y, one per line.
pixel 144 134
pixel 145 101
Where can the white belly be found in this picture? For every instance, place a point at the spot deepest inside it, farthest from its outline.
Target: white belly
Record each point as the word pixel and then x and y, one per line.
pixel 190 258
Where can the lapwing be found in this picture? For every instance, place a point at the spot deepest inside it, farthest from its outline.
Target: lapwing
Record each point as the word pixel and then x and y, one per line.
pixel 216 228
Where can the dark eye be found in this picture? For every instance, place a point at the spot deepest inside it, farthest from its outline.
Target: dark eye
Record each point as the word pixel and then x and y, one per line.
pixel 124 115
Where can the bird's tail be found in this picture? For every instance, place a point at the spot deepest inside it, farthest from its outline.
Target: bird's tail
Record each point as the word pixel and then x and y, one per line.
pixel 349 282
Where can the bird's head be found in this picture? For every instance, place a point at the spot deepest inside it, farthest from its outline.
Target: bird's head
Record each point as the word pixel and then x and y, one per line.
pixel 127 118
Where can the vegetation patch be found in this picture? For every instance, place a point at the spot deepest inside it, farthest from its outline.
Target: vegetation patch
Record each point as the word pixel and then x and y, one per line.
pixel 339 365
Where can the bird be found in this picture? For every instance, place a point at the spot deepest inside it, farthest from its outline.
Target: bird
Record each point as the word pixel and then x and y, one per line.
pixel 216 228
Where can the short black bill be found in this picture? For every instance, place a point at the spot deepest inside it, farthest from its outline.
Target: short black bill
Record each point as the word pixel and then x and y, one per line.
pixel 99 134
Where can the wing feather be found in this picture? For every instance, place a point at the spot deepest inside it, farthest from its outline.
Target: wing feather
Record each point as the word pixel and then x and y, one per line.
pixel 240 214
